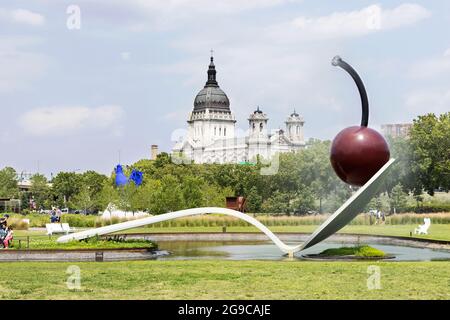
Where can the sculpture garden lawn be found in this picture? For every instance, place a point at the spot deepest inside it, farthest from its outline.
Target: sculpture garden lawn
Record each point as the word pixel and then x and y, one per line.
pixel 226 280
pixel 222 279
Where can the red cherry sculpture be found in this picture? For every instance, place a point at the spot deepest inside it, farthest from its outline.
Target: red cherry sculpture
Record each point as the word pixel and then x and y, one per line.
pixel 358 152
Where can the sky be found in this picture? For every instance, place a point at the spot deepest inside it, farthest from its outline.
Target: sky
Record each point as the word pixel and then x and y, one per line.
pixel 86 84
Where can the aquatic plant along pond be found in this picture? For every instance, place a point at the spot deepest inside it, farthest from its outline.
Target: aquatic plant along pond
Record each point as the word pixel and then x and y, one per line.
pixel 265 250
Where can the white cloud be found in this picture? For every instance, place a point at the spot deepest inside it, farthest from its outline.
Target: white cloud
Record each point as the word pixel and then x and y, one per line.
pixel 431 82
pixel 188 7
pixel 429 100
pixel 404 15
pixel 57 121
pixel 174 115
pixel 350 23
pixel 4 136
pixel 126 56
pixel 221 6
pixel 19 66
pixel 432 67
pixel 140 15
pixel 22 16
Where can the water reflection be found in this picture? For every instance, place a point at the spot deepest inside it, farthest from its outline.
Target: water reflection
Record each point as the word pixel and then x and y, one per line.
pixel 262 250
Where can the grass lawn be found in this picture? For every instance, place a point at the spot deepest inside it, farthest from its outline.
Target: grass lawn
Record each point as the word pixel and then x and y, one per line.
pixel 38 240
pixel 45 243
pixel 231 279
pixel 226 280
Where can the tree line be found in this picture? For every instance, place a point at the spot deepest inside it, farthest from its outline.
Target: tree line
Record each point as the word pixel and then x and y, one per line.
pixel 305 181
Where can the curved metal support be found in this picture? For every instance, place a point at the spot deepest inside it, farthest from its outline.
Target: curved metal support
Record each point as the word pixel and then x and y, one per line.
pixel 350 209
pixel 174 215
pixel 337 61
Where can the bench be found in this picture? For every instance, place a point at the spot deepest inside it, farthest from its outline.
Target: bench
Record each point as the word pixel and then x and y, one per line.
pixel 58 228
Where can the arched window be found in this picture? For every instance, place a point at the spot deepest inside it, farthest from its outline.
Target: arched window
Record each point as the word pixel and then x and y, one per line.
pixel 224 132
pixel 298 130
pixel 215 131
pixel 220 131
pixel 253 126
pixel 261 127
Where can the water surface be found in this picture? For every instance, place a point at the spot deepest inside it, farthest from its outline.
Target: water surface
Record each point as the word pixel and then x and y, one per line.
pixel 265 250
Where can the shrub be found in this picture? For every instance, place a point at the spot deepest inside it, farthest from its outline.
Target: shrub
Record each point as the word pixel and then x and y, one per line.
pixel 17 223
pixel 428 208
pixel 364 251
pixel 413 218
pixel 79 221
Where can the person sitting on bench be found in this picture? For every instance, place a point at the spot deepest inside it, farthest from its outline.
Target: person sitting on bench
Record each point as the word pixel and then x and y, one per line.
pixel 6 234
pixel 7 239
pixel 54 217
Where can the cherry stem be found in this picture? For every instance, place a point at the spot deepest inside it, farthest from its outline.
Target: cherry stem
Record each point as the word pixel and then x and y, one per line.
pixel 337 61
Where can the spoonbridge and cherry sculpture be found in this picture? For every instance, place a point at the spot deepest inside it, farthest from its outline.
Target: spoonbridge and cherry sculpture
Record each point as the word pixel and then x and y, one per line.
pixel 359 156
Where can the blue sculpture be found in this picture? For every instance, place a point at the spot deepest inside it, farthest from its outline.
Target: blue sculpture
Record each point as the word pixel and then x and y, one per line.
pixel 137 177
pixel 121 179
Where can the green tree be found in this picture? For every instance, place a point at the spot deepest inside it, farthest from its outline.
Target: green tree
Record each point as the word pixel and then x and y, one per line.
pixel 163 159
pixel 397 199
pixel 94 181
pixel 168 196
pixel 254 201
pixel 278 203
pixel 129 198
pixel 191 189
pixel 303 202
pixel 316 171
pixel 401 171
pixel 214 196
pixel 149 196
pixel 8 183
pixel 241 178
pixel 430 141
pixel 146 166
pixel 381 203
pixel 65 186
pixel 40 191
pixel 83 200
pixel 108 195
pixel 287 180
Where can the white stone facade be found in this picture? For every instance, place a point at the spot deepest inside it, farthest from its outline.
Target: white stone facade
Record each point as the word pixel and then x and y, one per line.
pixel 211 136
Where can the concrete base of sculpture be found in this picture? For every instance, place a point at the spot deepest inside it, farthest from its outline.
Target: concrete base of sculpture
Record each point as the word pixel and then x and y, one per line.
pixel 350 209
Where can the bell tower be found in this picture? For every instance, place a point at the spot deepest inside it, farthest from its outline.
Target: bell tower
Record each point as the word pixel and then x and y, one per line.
pixel 258 125
pixel 294 128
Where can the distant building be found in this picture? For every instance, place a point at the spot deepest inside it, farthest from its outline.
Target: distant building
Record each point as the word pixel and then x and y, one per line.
pixel 154 152
pixel 396 130
pixel 211 131
pixel 10 205
pixel 24 181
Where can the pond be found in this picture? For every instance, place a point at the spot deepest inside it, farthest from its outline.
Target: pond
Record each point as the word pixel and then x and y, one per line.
pixel 265 250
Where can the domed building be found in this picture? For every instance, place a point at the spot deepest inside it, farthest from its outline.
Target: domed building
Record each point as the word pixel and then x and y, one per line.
pixel 211 135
